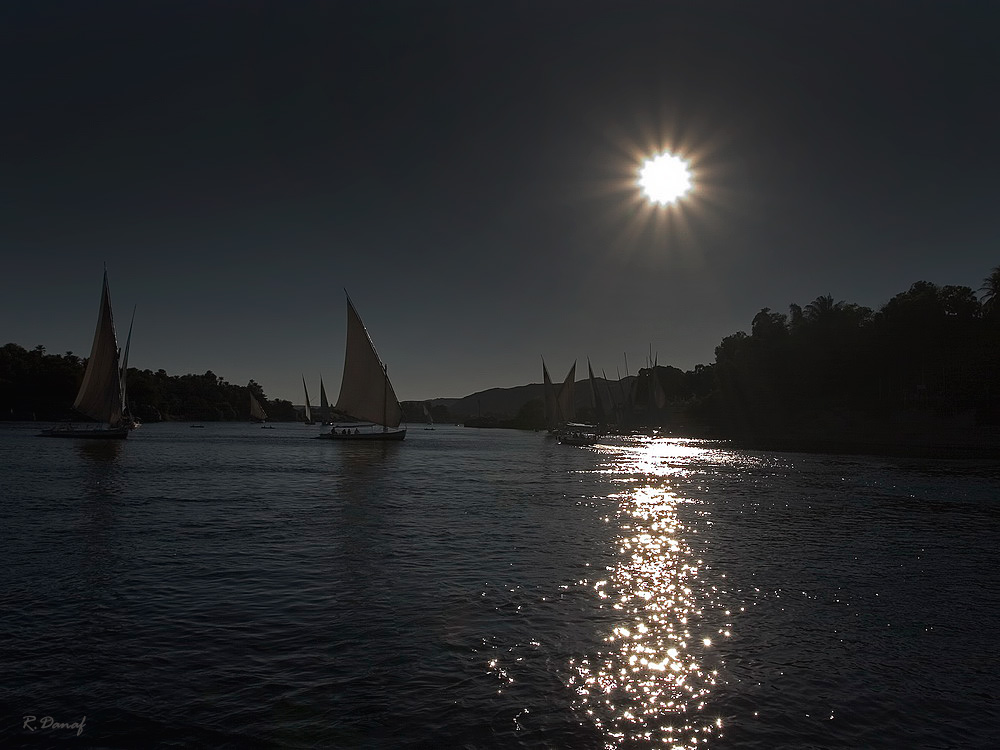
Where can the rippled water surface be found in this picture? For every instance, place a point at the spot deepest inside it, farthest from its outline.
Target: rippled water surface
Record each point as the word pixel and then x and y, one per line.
pixel 229 586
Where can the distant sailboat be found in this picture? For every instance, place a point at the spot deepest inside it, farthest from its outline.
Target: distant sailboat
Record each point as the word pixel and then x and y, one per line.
pixel 309 419
pixel 257 413
pixel 560 409
pixel 366 393
pixel 324 404
pixel 102 392
pixel 566 398
pixel 128 420
pixel 549 394
pixel 598 404
pixel 430 419
pixel 560 403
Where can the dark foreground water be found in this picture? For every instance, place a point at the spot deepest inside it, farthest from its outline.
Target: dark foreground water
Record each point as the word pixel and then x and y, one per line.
pixel 233 587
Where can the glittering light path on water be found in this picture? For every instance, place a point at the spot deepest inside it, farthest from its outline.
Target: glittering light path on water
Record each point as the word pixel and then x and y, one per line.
pixel 649 685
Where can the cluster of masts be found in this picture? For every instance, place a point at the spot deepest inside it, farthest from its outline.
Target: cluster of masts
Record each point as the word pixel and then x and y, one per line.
pixel 560 403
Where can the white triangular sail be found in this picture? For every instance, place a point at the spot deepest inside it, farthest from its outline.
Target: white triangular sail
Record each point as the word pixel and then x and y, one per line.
pixel 549 393
pixel 595 395
pixel 124 371
pixel 365 391
pixel 308 407
pixel 256 410
pixel 102 390
pixel 566 398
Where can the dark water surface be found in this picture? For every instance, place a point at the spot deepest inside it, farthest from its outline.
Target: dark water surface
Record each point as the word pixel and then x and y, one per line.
pixel 233 587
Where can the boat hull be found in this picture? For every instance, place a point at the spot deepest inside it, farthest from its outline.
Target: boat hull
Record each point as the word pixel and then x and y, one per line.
pixel 393 434
pixel 120 433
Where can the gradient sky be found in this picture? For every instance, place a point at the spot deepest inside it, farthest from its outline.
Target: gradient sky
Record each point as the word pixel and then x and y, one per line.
pixel 466 170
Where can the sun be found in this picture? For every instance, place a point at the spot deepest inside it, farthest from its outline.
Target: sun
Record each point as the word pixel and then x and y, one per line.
pixel 665 178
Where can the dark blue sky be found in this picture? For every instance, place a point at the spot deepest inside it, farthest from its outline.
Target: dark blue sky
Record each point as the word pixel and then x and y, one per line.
pixel 466 170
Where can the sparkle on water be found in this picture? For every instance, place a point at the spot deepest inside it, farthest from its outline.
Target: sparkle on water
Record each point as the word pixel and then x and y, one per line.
pixel 651 681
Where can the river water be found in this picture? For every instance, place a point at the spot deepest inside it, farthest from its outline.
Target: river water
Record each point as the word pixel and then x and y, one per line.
pixel 236 587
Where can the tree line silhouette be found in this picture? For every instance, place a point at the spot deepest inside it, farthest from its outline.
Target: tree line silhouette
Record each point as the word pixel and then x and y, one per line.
pixel 926 363
pixel 923 367
pixel 42 386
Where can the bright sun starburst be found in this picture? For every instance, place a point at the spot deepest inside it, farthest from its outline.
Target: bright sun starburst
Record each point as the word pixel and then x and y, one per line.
pixel 665 178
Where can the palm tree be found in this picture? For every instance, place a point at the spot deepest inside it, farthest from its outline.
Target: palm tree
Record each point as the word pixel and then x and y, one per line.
pixel 991 291
pixel 822 307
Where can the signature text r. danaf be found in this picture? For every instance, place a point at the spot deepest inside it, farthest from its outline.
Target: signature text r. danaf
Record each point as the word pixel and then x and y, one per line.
pixel 33 723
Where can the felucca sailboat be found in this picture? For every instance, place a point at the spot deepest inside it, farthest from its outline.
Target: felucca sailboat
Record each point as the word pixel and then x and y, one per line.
pixel 102 392
pixel 560 404
pixel 366 393
pixel 324 405
pixel 309 419
pixel 257 413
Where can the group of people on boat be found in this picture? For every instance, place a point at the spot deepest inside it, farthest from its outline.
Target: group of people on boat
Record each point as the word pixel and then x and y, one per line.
pixel 347 431
pixel 578 437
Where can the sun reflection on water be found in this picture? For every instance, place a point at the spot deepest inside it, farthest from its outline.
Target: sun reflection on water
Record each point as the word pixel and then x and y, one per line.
pixel 649 684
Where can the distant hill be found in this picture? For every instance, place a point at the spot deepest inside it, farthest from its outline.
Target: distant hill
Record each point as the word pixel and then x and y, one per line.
pixel 505 403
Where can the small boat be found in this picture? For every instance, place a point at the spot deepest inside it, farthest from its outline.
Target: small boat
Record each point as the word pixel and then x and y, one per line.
pixel 102 392
pixel 366 394
pixel 257 413
pixel 309 419
pixel 362 431
pixel 430 419
pixel 578 434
